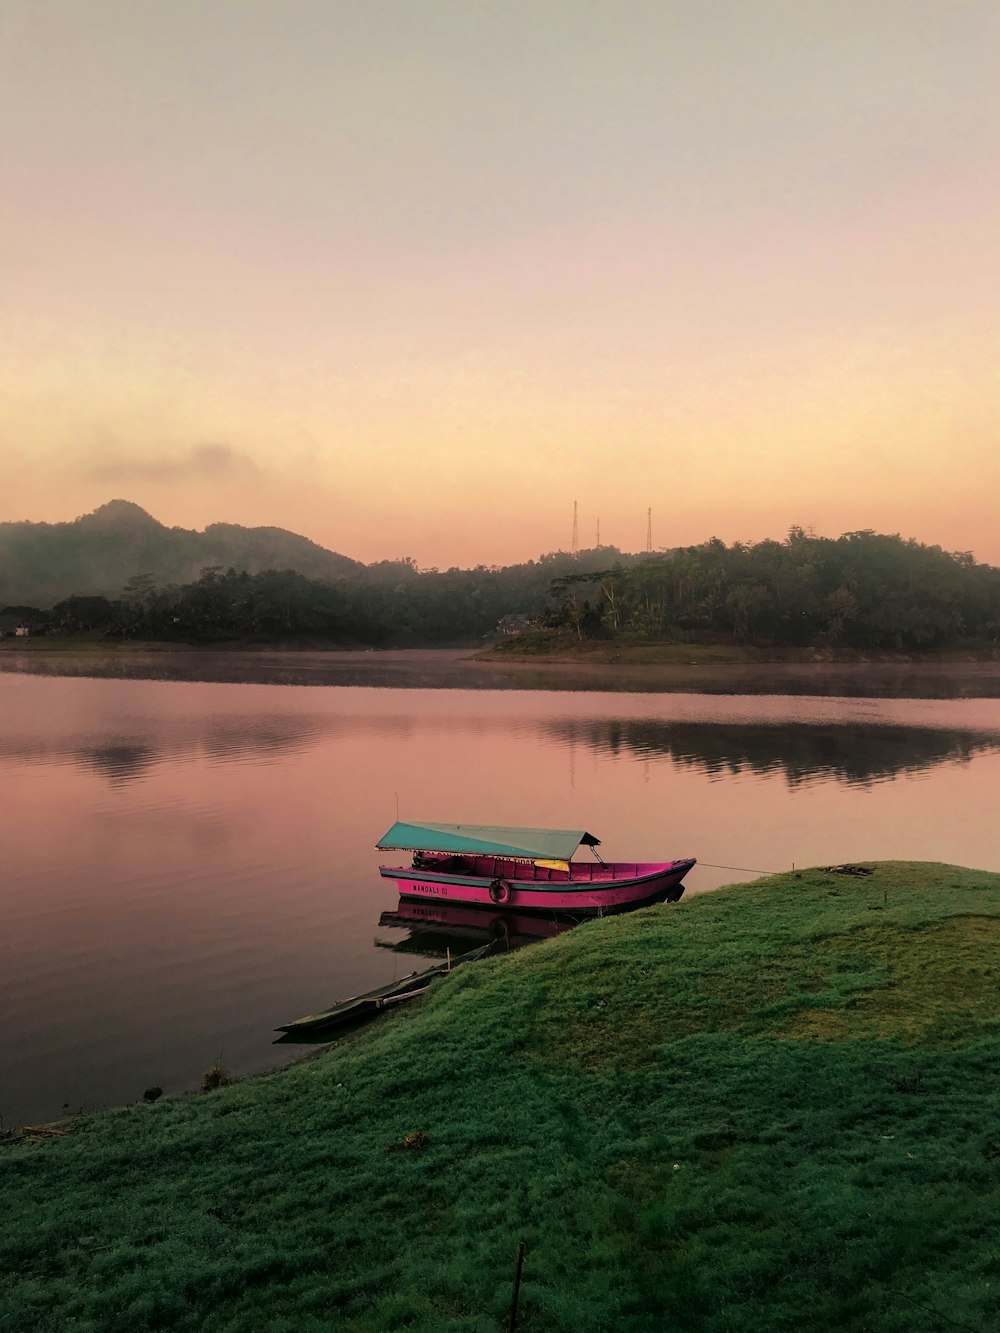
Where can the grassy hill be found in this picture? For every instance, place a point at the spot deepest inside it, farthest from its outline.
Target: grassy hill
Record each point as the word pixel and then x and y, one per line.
pixel 771 1107
pixel 96 555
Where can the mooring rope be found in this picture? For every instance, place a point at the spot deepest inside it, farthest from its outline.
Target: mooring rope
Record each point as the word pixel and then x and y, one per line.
pixel 744 869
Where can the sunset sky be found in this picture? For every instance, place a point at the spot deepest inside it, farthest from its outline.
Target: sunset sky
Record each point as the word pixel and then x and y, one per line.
pixel 411 277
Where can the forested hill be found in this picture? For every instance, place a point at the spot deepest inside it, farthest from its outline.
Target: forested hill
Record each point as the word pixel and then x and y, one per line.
pixel 863 590
pixel 118 572
pixel 96 555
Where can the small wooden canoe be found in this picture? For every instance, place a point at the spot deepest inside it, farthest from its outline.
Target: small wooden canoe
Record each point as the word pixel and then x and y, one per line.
pixel 382 997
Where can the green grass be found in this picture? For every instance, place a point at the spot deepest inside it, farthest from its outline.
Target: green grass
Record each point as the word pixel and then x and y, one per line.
pixel 773 1107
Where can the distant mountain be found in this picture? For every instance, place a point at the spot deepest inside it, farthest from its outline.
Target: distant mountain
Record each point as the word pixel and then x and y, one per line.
pixel 41 563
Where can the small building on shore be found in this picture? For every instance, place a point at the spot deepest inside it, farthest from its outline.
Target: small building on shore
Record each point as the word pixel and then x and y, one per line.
pixel 18 622
pixel 510 625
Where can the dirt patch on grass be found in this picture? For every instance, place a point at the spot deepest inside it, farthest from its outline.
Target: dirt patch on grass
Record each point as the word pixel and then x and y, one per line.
pixel 622 1037
pixel 936 984
pixel 941 987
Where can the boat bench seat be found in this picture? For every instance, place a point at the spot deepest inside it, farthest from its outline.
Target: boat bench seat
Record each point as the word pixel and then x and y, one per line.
pixel 521 871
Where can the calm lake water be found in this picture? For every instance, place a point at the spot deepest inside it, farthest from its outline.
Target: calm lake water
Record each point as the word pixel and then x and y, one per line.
pixel 187 863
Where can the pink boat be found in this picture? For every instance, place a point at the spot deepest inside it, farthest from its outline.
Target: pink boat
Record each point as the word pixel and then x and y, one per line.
pixel 525 869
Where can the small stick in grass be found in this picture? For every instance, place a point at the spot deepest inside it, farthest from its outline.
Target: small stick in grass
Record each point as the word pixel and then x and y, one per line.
pixel 517 1286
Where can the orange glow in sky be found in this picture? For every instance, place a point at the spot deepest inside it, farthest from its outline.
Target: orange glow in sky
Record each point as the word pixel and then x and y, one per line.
pixel 411 276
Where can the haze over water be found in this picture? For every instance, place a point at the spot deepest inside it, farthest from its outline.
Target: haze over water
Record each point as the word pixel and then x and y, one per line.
pixel 188 864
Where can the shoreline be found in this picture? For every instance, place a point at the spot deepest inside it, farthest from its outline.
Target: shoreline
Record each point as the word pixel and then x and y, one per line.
pixel 469 669
pixel 603 653
pixel 851 874
pixel 610 653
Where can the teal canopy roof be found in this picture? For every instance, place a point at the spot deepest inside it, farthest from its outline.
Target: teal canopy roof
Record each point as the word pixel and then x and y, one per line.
pixel 536 844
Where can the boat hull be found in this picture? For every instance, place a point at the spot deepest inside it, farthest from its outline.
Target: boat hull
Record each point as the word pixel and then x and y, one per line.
pixel 608 889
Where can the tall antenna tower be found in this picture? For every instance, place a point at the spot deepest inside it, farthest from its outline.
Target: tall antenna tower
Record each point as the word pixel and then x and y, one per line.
pixel 576 530
pixel 649 530
pixel 598 533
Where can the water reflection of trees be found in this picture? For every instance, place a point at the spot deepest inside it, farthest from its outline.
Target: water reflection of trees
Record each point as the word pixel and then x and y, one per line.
pixel 853 754
pixel 130 755
pixel 120 763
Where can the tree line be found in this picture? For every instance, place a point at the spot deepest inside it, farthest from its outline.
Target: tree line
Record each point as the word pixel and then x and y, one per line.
pixel 863 590
pixel 390 603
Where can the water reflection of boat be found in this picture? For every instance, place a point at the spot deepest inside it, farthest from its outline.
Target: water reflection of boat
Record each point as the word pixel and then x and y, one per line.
pixel 527 869
pixel 436 927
